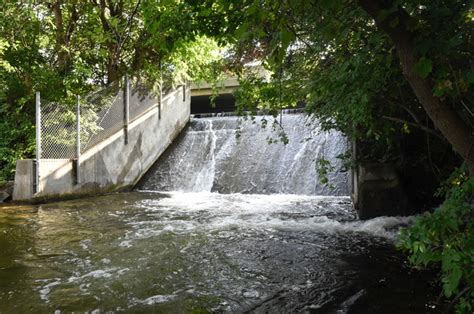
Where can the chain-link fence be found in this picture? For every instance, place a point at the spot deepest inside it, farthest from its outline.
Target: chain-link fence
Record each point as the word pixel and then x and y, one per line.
pixel 142 99
pixel 58 131
pixel 102 114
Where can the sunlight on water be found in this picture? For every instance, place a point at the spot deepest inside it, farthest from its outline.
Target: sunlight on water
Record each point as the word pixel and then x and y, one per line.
pixel 254 246
pixel 181 252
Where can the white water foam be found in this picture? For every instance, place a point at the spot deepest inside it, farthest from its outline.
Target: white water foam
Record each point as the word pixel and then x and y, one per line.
pixel 209 157
pixel 46 289
pixel 213 212
pixel 156 299
pixel 205 178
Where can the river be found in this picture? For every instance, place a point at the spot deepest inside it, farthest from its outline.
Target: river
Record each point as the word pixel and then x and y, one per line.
pixel 200 252
pixel 220 224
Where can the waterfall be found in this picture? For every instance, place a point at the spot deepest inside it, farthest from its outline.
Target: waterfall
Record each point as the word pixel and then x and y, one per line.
pixel 205 177
pixel 209 157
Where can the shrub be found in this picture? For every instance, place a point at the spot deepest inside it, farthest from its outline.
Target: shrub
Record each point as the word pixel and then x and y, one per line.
pixel 445 238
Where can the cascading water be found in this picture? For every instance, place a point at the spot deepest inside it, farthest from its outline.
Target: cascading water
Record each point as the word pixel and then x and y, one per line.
pixel 210 158
pixel 292 246
pixel 205 177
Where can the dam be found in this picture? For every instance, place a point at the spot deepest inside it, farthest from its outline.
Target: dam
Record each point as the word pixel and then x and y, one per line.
pixel 232 155
pixel 222 222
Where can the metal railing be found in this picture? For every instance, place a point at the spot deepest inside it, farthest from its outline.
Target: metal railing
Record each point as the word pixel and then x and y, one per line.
pixel 66 131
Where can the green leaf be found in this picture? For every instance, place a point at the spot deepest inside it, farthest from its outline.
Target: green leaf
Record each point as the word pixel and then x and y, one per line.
pixel 470 77
pixel 424 67
pixel 286 38
pixel 451 282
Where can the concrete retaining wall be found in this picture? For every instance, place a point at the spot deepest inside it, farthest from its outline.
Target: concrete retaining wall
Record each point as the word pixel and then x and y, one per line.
pixel 377 191
pixel 112 164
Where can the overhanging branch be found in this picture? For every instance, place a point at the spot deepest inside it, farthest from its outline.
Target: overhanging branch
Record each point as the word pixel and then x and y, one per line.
pixel 415 125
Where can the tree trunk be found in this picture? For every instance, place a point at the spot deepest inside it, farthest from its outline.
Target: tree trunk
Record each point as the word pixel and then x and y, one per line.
pixel 60 38
pixel 113 70
pixel 113 41
pixel 458 133
pixel 63 35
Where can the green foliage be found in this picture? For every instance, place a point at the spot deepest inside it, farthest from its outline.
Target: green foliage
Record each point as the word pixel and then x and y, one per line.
pixel 68 48
pixel 256 94
pixel 446 238
pixel 200 61
pixel 323 168
pixel 424 67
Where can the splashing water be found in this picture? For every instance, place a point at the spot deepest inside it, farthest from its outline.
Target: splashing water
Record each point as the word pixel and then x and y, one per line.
pixel 272 240
pixel 205 177
pixel 181 252
pixel 209 157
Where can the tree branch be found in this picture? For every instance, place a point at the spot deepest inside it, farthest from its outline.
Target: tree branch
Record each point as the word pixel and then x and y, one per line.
pixel 299 37
pixel 415 125
pixel 456 298
pixel 408 110
pixel 103 19
pixel 129 24
pixel 72 22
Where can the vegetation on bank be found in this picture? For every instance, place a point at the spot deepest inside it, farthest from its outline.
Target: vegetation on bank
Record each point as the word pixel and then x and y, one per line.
pixel 445 237
pixel 395 75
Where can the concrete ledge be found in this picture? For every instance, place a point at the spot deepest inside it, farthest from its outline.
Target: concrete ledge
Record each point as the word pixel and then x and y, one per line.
pixel 6 191
pixel 377 172
pixel 24 180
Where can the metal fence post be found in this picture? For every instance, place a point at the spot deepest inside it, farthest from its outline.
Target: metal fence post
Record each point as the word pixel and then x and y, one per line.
pixel 184 92
pixel 78 140
pixel 161 94
pixel 126 108
pixel 38 143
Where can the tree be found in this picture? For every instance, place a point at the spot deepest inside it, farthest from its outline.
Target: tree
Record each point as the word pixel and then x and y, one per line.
pixel 424 44
pixel 402 28
pixel 62 48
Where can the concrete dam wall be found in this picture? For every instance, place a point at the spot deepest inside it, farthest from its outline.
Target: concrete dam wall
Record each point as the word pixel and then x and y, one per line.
pixel 209 157
pixel 118 162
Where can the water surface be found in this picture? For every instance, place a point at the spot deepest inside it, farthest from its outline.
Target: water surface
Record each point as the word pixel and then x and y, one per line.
pixel 191 252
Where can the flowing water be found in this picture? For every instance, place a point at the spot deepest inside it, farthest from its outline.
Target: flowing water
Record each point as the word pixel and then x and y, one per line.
pixel 209 157
pixel 197 250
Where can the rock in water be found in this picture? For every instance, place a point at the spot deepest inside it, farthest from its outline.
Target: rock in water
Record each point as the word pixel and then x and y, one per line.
pixel 6 191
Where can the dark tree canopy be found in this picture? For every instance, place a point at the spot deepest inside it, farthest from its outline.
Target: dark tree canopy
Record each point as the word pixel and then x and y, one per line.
pixel 360 63
pixel 395 75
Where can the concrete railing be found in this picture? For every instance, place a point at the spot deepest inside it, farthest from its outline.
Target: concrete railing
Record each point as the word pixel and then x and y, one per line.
pixel 113 164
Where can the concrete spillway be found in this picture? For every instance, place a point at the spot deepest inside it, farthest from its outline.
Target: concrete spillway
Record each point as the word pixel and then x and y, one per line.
pixel 209 157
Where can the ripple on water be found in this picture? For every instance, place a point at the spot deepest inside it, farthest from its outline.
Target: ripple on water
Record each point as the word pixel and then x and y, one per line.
pixel 182 251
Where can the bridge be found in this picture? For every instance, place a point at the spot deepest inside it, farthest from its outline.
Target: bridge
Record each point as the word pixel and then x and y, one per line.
pixel 224 102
